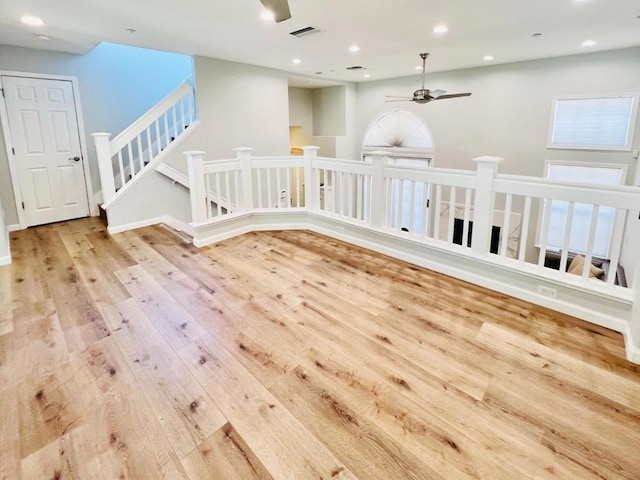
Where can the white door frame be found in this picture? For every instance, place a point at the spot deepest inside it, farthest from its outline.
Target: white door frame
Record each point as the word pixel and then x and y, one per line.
pixel 8 142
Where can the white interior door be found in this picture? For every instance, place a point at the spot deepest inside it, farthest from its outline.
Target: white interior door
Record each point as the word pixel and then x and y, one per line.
pixel 46 140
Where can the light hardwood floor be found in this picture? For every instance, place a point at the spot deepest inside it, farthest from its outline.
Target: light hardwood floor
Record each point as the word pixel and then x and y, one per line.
pixel 288 355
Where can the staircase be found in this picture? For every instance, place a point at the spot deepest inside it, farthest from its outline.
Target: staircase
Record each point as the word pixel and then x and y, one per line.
pixel 141 147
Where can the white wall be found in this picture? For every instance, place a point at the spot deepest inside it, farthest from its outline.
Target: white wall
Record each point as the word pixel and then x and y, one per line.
pixel 117 84
pixel 329 111
pixel 301 109
pixel 334 109
pixel 508 114
pixel 241 106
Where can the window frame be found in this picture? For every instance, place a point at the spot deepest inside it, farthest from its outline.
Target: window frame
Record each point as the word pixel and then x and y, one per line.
pixel 635 96
pixel 623 181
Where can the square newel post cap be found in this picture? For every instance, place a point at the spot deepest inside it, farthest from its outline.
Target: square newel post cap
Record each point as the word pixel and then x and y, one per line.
pixel 193 153
pixel 243 149
pixel 310 148
pixel 100 134
pixel 487 160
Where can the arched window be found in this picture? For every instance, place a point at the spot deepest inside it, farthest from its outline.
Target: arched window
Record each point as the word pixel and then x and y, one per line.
pixel 400 132
pixel 408 140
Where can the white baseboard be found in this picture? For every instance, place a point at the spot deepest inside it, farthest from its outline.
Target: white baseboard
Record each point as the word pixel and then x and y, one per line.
pixel 132 226
pixel 166 219
pixel 598 318
pixel 632 350
pixel 6 260
pixel 177 225
pixel 15 227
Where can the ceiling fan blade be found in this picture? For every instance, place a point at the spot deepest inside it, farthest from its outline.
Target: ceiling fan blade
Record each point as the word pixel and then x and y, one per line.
pixel 437 93
pixel 280 9
pixel 452 95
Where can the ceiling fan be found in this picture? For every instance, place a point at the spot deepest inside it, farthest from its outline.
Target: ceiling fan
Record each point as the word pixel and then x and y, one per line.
pixel 424 95
pixel 280 9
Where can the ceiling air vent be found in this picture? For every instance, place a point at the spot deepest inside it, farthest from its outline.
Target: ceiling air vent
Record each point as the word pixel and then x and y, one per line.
pixel 305 32
pixel 356 67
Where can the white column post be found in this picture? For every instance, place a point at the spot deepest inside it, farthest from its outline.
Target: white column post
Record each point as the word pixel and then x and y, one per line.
pixel 244 155
pixel 378 192
pixel 487 167
pixel 310 201
pixel 197 186
pixel 105 166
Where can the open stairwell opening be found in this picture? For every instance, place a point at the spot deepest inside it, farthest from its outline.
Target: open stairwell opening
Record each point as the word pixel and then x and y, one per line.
pixel 126 159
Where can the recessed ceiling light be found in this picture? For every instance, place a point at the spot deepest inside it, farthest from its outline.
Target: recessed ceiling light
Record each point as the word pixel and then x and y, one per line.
pixel 268 16
pixel 589 43
pixel 488 58
pixel 297 61
pixel 366 75
pixel 418 67
pixel 354 48
pixel 441 29
pixel 43 37
pixel 32 21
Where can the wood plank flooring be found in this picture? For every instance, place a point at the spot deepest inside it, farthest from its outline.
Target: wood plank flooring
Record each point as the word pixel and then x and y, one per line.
pixel 289 355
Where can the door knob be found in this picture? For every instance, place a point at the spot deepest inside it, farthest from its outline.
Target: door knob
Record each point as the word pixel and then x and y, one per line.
pixel 75 159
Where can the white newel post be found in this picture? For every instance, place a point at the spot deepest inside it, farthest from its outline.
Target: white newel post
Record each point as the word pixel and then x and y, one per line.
pixel 484 202
pixel 378 191
pixel 105 167
pixel 244 155
pixel 310 201
pixel 197 186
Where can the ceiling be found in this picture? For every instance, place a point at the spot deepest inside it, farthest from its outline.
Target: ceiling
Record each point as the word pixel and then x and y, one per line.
pixel 390 33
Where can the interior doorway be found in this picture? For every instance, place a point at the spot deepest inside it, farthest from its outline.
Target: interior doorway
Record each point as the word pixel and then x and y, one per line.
pixel 44 143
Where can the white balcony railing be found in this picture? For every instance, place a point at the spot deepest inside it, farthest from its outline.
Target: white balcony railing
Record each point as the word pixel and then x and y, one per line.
pixel 477 219
pixel 450 209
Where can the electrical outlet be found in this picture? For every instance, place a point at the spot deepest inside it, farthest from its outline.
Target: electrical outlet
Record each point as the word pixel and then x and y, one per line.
pixel 547 291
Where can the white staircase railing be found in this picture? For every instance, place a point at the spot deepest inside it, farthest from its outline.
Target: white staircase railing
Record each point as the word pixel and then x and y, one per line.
pixel 141 145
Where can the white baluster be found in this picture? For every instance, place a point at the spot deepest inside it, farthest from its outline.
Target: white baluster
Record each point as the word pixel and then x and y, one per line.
pixel 452 216
pixel 105 166
pixel 567 237
pixel 506 225
pixel 524 231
